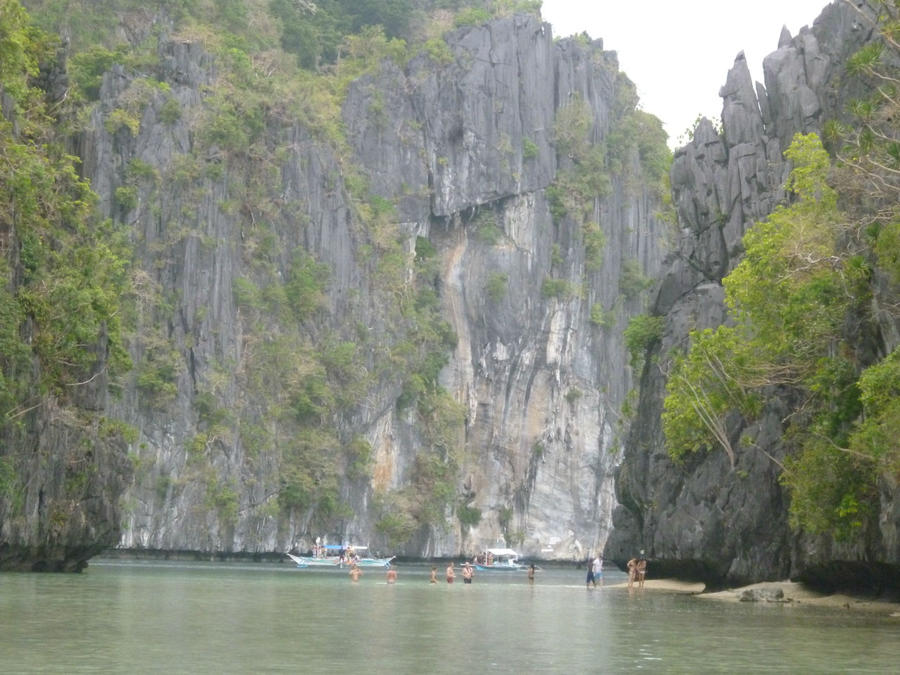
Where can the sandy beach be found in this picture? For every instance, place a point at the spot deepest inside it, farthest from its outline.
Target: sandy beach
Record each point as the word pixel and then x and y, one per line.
pixel 777 593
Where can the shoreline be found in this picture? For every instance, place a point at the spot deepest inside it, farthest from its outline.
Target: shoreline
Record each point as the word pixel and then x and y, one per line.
pixel 781 593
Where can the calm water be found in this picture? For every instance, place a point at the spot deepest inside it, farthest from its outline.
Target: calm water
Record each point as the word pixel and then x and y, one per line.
pixel 252 618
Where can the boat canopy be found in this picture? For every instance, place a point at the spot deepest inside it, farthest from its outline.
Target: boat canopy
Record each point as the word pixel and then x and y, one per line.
pixel 508 552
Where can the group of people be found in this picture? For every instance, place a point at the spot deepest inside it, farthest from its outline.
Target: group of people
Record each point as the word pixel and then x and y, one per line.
pixel 483 558
pixel 637 570
pixel 348 556
pixel 468 573
pixel 356 573
pixel 345 556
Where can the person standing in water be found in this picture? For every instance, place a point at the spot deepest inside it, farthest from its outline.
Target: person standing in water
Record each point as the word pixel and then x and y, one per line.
pixel 391 575
pixel 468 573
pixel 451 573
pixel 596 572
pixel 433 574
pixel 355 572
pixel 531 574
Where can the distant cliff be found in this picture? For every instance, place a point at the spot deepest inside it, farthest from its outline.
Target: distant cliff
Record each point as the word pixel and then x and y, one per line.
pixel 705 518
pixel 402 327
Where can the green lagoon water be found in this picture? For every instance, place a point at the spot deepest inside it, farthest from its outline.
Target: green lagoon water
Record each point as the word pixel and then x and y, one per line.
pixel 131 617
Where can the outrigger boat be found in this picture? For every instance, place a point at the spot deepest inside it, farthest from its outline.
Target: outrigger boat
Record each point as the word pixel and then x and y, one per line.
pixel 305 561
pixel 499 560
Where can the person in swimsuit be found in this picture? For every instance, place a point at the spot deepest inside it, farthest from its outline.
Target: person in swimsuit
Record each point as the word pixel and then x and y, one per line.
pixel 434 575
pixel 391 575
pixel 468 573
pixel 451 573
pixel 641 570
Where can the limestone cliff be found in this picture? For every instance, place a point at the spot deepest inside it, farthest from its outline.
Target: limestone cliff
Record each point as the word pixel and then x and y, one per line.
pixel 707 519
pixel 458 155
pixel 390 308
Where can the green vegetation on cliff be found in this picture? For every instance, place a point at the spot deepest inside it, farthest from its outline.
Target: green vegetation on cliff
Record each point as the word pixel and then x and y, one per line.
pixel 64 280
pixel 269 428
pixel 801 302
pixel 315 33
pixel 632 153
pixel 65 273
pixel 303 369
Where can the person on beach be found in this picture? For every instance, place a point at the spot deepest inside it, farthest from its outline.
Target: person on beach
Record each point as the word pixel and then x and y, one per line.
pixel 632 571
pixel 433 575
pixel 641 570
pixel 468 573
pixel 391 575
pixel 598 571
pixel 451 573
pixel 589 582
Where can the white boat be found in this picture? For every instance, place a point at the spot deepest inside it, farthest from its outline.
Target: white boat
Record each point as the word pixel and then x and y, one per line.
pixel 499 560
pixel 306 561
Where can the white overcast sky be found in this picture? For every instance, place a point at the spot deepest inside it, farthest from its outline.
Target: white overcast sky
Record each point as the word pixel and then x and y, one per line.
pixel 678 52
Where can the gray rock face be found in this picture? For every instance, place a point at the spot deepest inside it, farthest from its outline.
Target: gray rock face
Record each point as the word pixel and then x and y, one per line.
pixel 448 145
pixel 706 519
pixel 62 471
pixel 763 595
pixel 72 476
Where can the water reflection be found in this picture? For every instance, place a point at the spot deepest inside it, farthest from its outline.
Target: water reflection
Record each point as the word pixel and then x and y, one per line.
pixel 272 618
